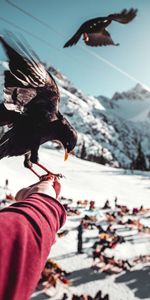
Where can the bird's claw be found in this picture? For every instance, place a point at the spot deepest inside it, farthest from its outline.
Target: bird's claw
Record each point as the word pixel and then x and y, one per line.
pixel 48 174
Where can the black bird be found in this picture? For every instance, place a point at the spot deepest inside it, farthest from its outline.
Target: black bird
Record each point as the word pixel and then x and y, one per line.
pixel 94 32
pixel 31 106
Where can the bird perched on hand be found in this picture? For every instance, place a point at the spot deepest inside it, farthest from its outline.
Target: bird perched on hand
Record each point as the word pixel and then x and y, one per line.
pixel 31 106
pixel 94 32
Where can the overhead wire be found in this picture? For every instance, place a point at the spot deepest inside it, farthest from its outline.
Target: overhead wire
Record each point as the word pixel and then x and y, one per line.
pixel 28 32
pixel 36 37
pixel 32 16
pixel 46 25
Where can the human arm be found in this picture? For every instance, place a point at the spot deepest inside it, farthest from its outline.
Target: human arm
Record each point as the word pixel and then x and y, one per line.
pixel 27 232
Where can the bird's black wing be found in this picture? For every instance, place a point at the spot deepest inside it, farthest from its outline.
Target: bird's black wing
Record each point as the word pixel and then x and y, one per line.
pixel 74 39
pixel 124 17
pixel 102 38
pixel 26 74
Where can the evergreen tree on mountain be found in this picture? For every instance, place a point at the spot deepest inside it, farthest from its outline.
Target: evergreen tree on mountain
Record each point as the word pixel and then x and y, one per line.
pixel 83 151
pixel 140 161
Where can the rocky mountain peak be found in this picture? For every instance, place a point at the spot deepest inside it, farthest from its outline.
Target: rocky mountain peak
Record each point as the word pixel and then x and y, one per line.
pixel 137 92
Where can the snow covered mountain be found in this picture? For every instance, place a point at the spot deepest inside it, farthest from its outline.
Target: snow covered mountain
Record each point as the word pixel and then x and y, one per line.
pixel 132 105
pixel 109 130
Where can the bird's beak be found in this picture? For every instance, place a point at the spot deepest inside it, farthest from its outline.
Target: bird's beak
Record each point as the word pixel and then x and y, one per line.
pixel 66 155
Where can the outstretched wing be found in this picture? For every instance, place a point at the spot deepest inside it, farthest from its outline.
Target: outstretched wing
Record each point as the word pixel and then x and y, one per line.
pixel 74 39
pixel 26 74
pixel 124 17
pixel 102 38
pixel 23 65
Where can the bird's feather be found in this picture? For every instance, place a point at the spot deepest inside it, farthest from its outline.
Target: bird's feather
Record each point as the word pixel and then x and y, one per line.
pixel 99 39
pixel 6 144
pixel 23 65
pixel 75 38
pixel 25 77
pixel 124 17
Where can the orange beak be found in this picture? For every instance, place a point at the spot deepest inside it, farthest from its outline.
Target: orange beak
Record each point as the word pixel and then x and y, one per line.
pixel 66 155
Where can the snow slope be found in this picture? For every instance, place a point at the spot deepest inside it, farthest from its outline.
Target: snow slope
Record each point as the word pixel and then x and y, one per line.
pixel 87 180
pixel 83 179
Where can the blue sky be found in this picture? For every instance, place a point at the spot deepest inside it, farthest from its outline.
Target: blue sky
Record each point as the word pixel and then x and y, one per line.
pixel 96 71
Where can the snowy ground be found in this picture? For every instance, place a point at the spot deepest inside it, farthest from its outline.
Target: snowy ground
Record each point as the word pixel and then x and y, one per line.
pixel 85 180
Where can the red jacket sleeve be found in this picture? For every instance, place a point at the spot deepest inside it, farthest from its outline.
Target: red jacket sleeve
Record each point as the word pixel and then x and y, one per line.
pixel 27 232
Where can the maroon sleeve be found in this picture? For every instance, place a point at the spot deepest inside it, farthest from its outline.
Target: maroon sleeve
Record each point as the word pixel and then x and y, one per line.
pixel 27 232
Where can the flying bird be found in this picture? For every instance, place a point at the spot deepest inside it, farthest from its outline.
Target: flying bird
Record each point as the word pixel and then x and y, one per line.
pixel 94 31
pixel 31 107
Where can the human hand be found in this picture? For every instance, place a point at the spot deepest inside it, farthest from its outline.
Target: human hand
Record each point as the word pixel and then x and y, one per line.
pixel 47 185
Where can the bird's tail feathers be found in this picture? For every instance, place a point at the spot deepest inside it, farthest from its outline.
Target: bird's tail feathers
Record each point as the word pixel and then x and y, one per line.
pixel 6 146
pixel 125 16
pixel 72 41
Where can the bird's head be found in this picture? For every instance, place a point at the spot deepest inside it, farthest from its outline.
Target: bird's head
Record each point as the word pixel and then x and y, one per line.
pixel 67 135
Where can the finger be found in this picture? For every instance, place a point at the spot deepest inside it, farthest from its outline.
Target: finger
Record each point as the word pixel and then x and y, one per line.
pixel 57 187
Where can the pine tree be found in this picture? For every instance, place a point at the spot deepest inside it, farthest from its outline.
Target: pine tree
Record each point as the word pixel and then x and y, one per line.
pixel 83 151
pixel 140 161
